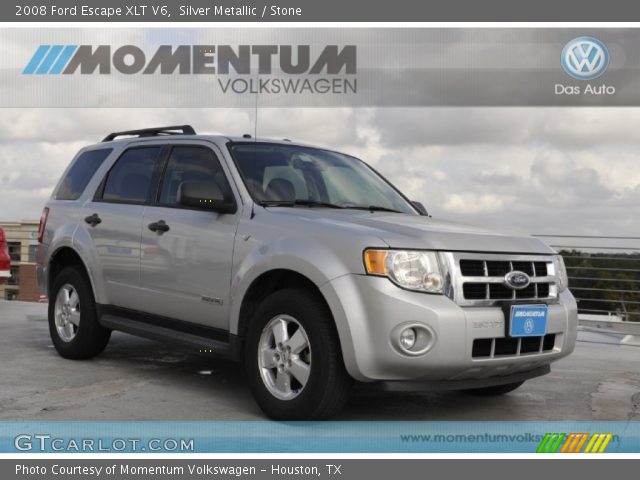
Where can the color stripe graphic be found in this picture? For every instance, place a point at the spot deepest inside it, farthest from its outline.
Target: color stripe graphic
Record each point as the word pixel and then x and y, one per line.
pixel 49 59
pixel 574 443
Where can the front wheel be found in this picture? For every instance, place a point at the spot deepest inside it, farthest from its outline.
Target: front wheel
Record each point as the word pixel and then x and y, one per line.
pixel 293 358
pixel 495 390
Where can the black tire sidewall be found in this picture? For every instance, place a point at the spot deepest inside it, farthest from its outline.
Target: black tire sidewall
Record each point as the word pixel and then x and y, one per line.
pixel 91 337
pixel 326 359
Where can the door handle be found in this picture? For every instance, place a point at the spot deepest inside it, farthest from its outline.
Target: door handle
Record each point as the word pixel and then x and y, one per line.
pixel 93 220
pixel 159 227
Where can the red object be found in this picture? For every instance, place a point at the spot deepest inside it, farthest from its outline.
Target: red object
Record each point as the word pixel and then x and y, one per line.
pixel 5 261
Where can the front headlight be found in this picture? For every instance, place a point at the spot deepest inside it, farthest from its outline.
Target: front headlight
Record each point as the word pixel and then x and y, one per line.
pixel 561 273
pixel 410 269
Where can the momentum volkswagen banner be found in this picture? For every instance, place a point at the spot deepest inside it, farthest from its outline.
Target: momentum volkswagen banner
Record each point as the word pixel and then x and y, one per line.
pixel 318 67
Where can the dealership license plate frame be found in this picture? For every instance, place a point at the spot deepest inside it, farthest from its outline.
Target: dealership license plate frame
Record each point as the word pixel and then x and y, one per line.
pixel 540 324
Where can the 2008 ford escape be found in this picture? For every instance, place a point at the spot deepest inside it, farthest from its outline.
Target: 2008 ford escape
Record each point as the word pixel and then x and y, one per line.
pixel 302 262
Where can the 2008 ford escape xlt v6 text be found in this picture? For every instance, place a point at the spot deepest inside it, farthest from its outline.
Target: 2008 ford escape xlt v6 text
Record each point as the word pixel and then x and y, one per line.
pixel 302 262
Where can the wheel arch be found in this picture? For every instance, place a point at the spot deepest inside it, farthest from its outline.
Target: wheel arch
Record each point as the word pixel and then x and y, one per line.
pixel 66 256
pixel 267 283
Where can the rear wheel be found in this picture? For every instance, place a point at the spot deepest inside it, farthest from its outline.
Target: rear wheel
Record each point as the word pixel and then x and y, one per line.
pixel 293 358
pixel 495 390
pixel 73 320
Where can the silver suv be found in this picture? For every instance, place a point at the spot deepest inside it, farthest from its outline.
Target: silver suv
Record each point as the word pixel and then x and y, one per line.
pixel 303 263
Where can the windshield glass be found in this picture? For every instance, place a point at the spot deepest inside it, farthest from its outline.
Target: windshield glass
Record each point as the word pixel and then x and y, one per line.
pixel 289 175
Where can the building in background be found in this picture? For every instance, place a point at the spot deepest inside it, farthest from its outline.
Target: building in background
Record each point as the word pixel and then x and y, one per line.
pixel 22 240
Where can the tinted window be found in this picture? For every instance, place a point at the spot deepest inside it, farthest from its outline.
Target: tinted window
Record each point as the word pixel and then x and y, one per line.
pixel 132 177
pixel 191 164
pixel 79 175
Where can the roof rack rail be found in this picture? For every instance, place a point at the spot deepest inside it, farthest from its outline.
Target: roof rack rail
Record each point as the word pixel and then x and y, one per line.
pixel 152 132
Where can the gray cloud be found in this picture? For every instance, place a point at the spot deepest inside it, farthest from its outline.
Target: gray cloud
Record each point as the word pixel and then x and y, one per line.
pixel 560 127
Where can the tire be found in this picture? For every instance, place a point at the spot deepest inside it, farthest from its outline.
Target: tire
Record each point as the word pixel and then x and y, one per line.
pixel 495 390
pixel 74 327
pixel 328 384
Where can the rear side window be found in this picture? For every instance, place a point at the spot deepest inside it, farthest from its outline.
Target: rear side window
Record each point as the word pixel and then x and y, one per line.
pixel 191 164
pixel 133 177
pixel 80 173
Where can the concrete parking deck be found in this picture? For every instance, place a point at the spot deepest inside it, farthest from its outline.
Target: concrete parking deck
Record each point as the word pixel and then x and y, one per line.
pixel 136 379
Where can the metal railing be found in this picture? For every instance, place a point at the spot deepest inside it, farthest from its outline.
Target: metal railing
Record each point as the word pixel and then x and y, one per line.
pixel 604 273
pixel 604 325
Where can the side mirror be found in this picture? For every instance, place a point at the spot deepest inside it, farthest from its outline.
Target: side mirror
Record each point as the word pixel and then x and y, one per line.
pixel 420 207
pixel 206 196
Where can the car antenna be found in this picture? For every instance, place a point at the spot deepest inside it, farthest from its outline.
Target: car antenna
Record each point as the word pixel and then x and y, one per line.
pixel 255 157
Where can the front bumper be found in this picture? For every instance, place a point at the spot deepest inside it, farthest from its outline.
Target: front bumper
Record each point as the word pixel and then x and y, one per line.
pixel 369 309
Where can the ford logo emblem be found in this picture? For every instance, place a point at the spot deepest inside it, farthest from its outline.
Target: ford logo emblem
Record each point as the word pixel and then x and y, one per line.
pixel 517 280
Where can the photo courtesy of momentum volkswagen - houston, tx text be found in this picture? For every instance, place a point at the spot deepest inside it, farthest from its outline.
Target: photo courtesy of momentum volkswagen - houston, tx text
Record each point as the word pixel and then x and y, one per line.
pixel 205 226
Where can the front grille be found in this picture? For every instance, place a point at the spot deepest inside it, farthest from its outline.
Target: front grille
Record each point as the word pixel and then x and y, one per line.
pixel 511 347
pixel 496 268
pixel 482 279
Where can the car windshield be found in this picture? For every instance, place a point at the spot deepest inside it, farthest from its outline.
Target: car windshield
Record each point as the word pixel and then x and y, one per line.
pixel 290 175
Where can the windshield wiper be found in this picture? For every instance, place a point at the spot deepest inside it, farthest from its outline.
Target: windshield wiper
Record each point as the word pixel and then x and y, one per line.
pixel 314 203
pixel 298 203
pixel 375 208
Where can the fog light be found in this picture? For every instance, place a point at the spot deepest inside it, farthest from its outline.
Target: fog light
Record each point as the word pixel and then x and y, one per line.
pixel 412 338
pixel 408 338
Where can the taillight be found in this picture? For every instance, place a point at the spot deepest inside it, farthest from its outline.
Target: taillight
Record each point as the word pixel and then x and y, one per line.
pixel 43 224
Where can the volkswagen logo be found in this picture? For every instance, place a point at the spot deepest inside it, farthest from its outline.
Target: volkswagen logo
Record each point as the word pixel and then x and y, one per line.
pixel 585 58
pixel 528 326
pixel 517 280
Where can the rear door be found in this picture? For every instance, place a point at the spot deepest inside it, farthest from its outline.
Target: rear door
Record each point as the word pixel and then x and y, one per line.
pixel 186 266
pixel 114 220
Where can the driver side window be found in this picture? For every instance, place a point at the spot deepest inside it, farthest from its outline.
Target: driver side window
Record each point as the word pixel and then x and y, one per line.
pixel 191 164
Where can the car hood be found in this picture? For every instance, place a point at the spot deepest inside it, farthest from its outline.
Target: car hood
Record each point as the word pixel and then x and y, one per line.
pixel 418 232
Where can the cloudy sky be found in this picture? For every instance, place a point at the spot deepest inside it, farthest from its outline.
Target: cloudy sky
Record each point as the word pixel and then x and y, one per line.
pixel 536 170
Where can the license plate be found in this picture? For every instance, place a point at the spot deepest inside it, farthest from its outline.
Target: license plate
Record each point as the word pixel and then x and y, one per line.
pixel 528 320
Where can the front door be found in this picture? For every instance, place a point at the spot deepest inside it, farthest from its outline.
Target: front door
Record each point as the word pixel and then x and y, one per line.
pixel 186 255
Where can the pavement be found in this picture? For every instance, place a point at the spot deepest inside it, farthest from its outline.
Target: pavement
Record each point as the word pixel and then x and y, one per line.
pixel 137 379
